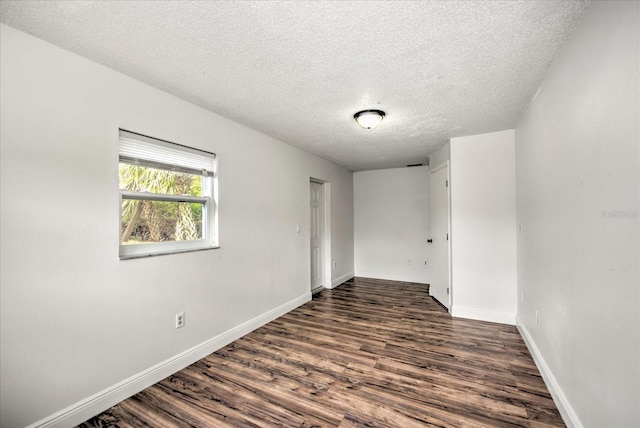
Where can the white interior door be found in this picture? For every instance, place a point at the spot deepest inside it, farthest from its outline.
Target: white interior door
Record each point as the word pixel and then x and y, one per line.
pixel 439 218
pixel 317 234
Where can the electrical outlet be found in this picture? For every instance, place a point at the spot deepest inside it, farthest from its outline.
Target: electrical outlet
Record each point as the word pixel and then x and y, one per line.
pixel 522 297
pixel 335 264
pixel 180 320
pixel 536 317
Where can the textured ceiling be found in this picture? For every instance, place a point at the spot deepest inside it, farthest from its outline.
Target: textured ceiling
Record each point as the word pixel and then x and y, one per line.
pixel 298 71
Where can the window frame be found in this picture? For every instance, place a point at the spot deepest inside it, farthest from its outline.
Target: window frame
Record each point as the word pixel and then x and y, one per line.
pixel 209 238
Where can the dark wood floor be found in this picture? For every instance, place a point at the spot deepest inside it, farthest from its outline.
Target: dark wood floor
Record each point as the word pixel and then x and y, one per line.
pixel 368 353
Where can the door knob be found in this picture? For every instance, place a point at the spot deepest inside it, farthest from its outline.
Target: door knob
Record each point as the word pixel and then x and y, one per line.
pixel 429 241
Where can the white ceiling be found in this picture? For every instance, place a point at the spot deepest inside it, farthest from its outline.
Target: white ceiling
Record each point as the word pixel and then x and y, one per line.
pixel 298 71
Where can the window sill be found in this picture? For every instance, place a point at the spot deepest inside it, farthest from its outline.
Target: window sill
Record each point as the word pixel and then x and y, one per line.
pixel 139 253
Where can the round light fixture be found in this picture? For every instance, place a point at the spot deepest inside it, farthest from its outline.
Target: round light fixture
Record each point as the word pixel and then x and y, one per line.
pixel 369 119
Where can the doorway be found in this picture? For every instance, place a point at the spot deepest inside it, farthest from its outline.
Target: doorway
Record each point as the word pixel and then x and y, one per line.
pixel 317 235
pixel 440 287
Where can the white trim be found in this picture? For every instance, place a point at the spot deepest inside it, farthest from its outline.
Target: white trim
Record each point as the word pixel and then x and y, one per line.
pixel 450 230
pixel 442 165
pixel 148 196
pixel 339 280
pixel 482 315
pixel 566 410
pixel 135 251
pixel 97 403
pixel 446 164
pixel 328 260
pixel 392 277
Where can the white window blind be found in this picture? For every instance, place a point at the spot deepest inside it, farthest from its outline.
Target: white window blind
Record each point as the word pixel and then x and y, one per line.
pixel 141 150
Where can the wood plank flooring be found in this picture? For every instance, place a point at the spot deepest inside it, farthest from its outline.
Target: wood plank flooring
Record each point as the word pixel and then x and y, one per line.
pixel 369 353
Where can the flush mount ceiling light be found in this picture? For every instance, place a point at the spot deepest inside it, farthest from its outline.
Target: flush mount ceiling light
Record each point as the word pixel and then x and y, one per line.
pixel 369 118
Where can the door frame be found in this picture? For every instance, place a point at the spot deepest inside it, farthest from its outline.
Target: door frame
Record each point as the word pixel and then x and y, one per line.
pixel 446 164
pixel 325 269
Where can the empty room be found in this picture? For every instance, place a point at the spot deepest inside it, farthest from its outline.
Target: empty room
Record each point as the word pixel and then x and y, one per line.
pixel 319 213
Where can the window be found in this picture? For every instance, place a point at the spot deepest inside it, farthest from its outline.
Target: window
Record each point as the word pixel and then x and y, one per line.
pixel 167 197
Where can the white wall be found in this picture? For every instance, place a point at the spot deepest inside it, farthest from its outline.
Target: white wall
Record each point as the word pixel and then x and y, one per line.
pixel 440 156
pixel 391 215
pixel 578 189
pixel 483 227
pixel 75 320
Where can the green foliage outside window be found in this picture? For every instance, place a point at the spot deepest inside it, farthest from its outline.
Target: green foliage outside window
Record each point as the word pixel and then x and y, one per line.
pixel 148 220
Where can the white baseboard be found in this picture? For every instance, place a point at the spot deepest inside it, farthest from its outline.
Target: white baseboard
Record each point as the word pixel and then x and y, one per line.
pixel 566 410
pixel 97 403
pixel 339 280
pixel 482 315
pixel 391 277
